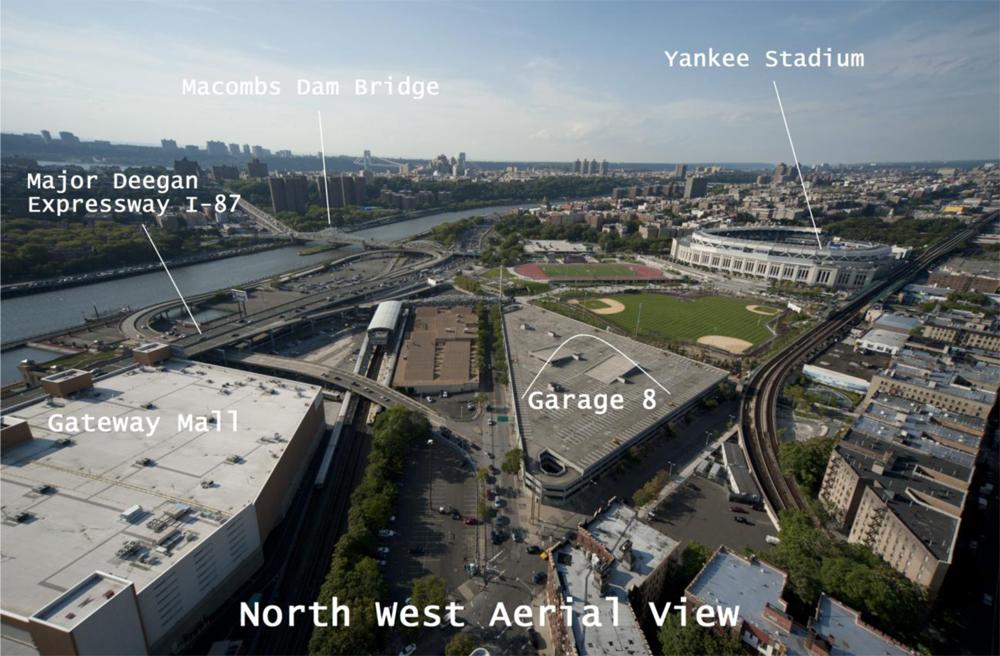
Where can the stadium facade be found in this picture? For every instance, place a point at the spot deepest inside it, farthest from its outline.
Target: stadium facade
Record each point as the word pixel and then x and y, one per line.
pixel 784 254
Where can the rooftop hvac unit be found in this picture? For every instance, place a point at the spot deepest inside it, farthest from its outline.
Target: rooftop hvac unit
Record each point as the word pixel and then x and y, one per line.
pixel 132 513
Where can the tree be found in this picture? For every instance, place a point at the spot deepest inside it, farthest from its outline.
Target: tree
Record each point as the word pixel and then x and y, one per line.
pixel 851 573
pixel 806 461
pixel 427 591
pixel 461 644
pixel 512 462
pixel 684 640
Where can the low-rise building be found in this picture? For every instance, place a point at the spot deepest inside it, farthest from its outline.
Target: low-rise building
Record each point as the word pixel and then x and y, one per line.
pixel 616 562
pixel 439 351
pixel 122 535
pixel 755 590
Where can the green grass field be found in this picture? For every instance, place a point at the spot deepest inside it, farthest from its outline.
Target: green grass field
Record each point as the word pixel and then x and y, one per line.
pixel 674 318
pixel 587 271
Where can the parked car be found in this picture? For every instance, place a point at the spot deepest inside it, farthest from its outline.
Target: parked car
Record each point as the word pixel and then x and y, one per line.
pixel 738 509
pixel 408 650
pixel 382 551
pixel 386 532
pixel 471 521
pixel 533 549
pixel 740 519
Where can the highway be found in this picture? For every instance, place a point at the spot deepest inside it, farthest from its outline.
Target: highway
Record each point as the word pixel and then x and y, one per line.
pixel 759 436
pixel 346 379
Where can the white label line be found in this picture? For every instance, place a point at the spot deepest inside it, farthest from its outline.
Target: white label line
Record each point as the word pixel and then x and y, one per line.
pixel 797 168
pixel 326 181
pixel 177 289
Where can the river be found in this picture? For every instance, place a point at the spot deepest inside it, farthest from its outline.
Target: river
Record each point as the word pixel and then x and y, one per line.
pixel 25 316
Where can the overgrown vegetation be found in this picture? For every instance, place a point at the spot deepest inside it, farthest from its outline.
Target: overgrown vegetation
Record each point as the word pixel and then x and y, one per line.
pixel 805 461
pixel 851 573
pixel 908 231
pixel 512 462
pixel 499 356
pixel 448 233
pixel 650 488
pixel 355 577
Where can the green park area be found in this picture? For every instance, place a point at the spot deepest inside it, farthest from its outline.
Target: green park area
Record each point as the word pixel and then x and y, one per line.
pixel 687 319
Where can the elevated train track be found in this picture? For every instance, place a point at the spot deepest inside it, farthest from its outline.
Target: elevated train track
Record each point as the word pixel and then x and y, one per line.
pixel 759 436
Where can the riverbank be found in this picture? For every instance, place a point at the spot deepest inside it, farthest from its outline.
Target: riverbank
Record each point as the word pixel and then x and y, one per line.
pixel 50 284
pixel 430 211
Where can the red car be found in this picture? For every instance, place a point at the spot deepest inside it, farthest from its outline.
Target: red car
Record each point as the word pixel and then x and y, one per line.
pixel 738 509
pixel 471 521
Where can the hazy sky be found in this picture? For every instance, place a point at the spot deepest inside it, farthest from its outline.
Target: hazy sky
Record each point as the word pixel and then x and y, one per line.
pixel 525 81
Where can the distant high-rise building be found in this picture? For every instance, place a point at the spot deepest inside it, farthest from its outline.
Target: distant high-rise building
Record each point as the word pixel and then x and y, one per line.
pixel 168 144
pixel 192 149
pixel 46 136
pixel 258 151
pixel 225 173
pixel 367 161
pixel 288 193
pixel 283 153
pixel 256 169
pixel 246 149
pixel 215 147
pixel 695 187
pixel 604 167
pixel 461 164
pixel 69 138
pixel 234 149
pixel 680 170
pixel 585 167
pixel 185 167
pixel 576 166
pixel 360 190
pixel 782 173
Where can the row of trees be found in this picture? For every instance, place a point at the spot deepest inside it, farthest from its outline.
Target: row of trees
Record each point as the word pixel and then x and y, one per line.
pixel 355 578
pixel 465 190
pixel 33 249
pixel 907 231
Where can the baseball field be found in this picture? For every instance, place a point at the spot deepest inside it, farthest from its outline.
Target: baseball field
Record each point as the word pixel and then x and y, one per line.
pixel 729 323
pixel 587 271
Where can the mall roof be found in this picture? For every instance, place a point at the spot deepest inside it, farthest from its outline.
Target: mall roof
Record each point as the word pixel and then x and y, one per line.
pixel 90 493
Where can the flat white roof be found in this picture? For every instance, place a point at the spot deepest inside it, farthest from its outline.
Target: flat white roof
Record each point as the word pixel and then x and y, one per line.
pixel 76 527
pixel 612 527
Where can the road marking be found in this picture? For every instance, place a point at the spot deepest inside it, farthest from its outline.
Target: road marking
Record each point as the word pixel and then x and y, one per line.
pixel 603 341
pixel 797 168
pixel 177 289
pixel 326 181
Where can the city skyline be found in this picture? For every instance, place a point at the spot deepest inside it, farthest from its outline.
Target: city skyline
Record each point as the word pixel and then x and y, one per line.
pixel 518 83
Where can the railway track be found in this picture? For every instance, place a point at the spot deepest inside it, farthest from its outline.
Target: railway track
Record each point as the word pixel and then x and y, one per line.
pixel 759 434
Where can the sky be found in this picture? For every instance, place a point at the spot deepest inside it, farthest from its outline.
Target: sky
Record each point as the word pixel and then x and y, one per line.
pixel 520 81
